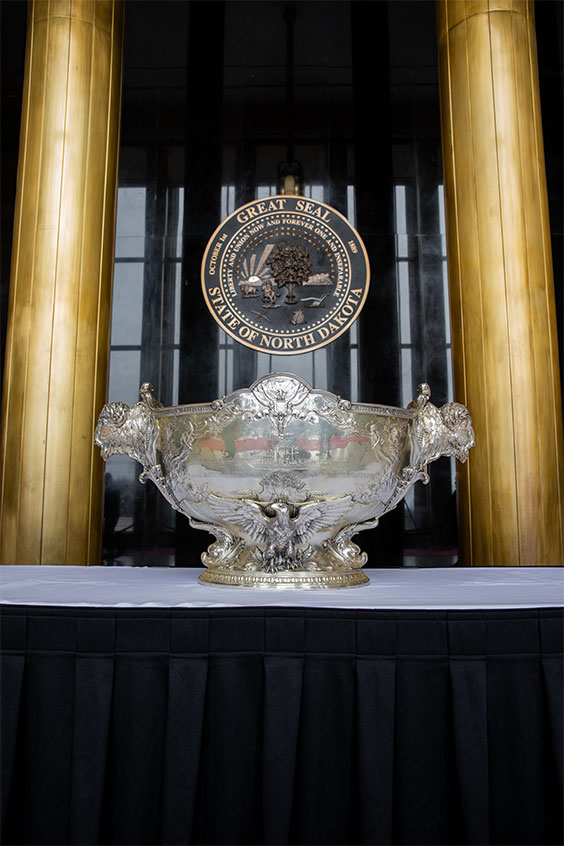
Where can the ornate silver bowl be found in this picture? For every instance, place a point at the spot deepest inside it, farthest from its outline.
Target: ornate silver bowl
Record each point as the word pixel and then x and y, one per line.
pixel 284 475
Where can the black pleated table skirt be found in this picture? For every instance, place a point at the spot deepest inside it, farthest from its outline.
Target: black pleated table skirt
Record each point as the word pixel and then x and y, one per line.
pixel 279 725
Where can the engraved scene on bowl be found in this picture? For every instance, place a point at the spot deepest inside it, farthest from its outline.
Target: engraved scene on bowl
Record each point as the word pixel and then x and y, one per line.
pixel 307 460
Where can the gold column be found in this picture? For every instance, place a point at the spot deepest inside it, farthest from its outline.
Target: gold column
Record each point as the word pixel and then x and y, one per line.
pixel 59 314
pixel 501 283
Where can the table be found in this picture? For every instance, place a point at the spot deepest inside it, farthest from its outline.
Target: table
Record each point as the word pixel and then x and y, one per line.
pixel 457 588
pixel 140 707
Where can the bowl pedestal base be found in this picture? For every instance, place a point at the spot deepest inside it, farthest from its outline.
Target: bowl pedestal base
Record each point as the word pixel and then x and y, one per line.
pixel 285 579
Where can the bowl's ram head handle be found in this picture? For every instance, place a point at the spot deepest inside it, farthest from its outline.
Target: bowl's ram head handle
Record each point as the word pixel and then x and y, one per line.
pixel 122 430
pixel 134 432
pixel 436 432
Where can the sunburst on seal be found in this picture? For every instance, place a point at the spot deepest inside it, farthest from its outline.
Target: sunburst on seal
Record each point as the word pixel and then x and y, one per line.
pixel 255 274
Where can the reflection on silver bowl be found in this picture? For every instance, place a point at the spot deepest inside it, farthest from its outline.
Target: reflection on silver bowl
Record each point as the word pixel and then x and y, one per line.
pixel 284 475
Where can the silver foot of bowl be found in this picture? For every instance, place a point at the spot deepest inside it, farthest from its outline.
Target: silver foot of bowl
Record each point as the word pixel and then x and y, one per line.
pixel 288 580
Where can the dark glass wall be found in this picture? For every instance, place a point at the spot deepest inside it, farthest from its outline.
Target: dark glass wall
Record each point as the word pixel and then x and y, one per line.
pixel 214 101
pixel 208 115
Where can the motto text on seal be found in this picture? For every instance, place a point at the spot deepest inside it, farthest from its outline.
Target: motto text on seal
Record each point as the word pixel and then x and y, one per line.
pixel 285 275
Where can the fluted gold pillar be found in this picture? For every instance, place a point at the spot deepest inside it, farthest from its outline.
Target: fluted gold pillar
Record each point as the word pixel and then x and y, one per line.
pixel 59 314
pixel 501 283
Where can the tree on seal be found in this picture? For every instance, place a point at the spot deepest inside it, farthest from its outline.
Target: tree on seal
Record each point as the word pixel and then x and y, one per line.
pixel 290 265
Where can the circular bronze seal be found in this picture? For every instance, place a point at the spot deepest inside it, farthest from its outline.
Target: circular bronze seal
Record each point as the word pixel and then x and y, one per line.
pixel 285 275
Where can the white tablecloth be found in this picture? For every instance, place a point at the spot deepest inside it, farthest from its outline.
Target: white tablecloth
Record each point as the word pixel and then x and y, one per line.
pixel 456 588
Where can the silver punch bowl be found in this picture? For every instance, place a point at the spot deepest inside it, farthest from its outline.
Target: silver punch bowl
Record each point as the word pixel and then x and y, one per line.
pixel 284 476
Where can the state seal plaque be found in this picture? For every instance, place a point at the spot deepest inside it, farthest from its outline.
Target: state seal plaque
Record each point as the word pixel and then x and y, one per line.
pixel 285 275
